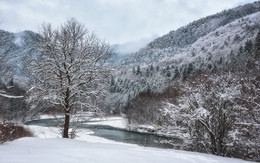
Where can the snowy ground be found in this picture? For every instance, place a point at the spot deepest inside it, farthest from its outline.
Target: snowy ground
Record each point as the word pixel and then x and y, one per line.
pixel 32 150
pixel 47 146
pixel 116 122
pixel 82 135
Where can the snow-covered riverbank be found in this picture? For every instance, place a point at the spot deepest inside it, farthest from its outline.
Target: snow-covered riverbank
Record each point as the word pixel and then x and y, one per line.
pixel 121 123
pixel 47 146
pixel 113 121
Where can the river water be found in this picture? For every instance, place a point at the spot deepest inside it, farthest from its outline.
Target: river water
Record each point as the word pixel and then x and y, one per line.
pixel 119 135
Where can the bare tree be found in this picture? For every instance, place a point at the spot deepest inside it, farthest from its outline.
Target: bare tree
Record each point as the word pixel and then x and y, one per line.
pixel 70 71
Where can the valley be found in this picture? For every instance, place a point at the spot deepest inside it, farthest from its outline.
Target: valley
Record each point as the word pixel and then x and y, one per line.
pixel 196 89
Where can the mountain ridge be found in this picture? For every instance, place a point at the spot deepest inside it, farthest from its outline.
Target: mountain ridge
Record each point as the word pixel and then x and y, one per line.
pixel 185 36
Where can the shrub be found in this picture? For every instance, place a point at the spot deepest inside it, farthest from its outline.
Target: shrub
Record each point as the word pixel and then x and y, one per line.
pixel 11 131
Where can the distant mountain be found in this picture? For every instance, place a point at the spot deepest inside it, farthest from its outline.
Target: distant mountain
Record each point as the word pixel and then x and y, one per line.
pixel 175 42
pixel 16 52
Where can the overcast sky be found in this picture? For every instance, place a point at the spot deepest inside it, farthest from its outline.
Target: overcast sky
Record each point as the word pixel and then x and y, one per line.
pixel 116 21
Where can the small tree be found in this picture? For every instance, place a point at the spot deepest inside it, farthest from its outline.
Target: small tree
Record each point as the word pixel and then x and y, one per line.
pixel 133 70
pixel 248 46
pixel 70 71
pixel 138 70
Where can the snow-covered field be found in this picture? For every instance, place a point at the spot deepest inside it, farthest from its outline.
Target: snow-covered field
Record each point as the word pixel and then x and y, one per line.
pixel 36 150
pixel 49 147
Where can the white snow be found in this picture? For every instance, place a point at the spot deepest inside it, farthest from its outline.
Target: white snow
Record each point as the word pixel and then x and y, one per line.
pixel 46 116
pixel 9 96
pixel 82 134
pixel 31 150
pixel 49 147
pixel 116 122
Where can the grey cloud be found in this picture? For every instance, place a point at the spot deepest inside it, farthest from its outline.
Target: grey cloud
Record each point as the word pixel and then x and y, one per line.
pixel 117 21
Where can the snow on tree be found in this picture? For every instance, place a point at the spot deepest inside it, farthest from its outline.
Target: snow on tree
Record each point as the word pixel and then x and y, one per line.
pixel 71 70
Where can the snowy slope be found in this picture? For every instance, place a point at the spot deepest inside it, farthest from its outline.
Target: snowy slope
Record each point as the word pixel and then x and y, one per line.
pixel 31 150
pixel 19 49
pixel 176 42
pixel 220 42
pixel 212 51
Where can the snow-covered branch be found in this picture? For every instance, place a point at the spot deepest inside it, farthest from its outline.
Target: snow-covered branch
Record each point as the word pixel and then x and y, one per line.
pixel 10 96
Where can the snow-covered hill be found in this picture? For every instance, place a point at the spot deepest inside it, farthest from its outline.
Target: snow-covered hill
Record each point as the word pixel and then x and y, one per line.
pixel 17 50
pixel 207 44
pixel 202 55
pixel 31 150
pixel 185 38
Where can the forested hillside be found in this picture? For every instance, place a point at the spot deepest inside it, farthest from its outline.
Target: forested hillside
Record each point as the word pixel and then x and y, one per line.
pixel 200 83
pixel 175 42
pixel 215 50
pixel 213 112
pixel 16 52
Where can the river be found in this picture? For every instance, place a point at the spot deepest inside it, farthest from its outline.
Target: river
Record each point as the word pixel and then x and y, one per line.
pixel 120 135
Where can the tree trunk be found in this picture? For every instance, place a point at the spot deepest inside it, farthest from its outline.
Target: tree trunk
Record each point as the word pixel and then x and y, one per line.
pixel 66 124
pixel 67 114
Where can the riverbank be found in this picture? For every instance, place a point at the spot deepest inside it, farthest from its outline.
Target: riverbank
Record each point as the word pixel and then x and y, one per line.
pixel 81 134
pixel 120 122
pixel 85 141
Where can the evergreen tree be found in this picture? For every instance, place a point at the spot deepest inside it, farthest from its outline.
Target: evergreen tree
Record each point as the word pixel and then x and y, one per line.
pixel 133 70
pixel 112 81
pixel 231 55
pixel 176 73
pixel 147 73
pixel 220 61
pixel 168 74
pixel 157 68
pixel 209 66
pixel 190 68
pixel 241 49
pixel 184 72
pixel 151 68
pixel 138 71
pixel 248 46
